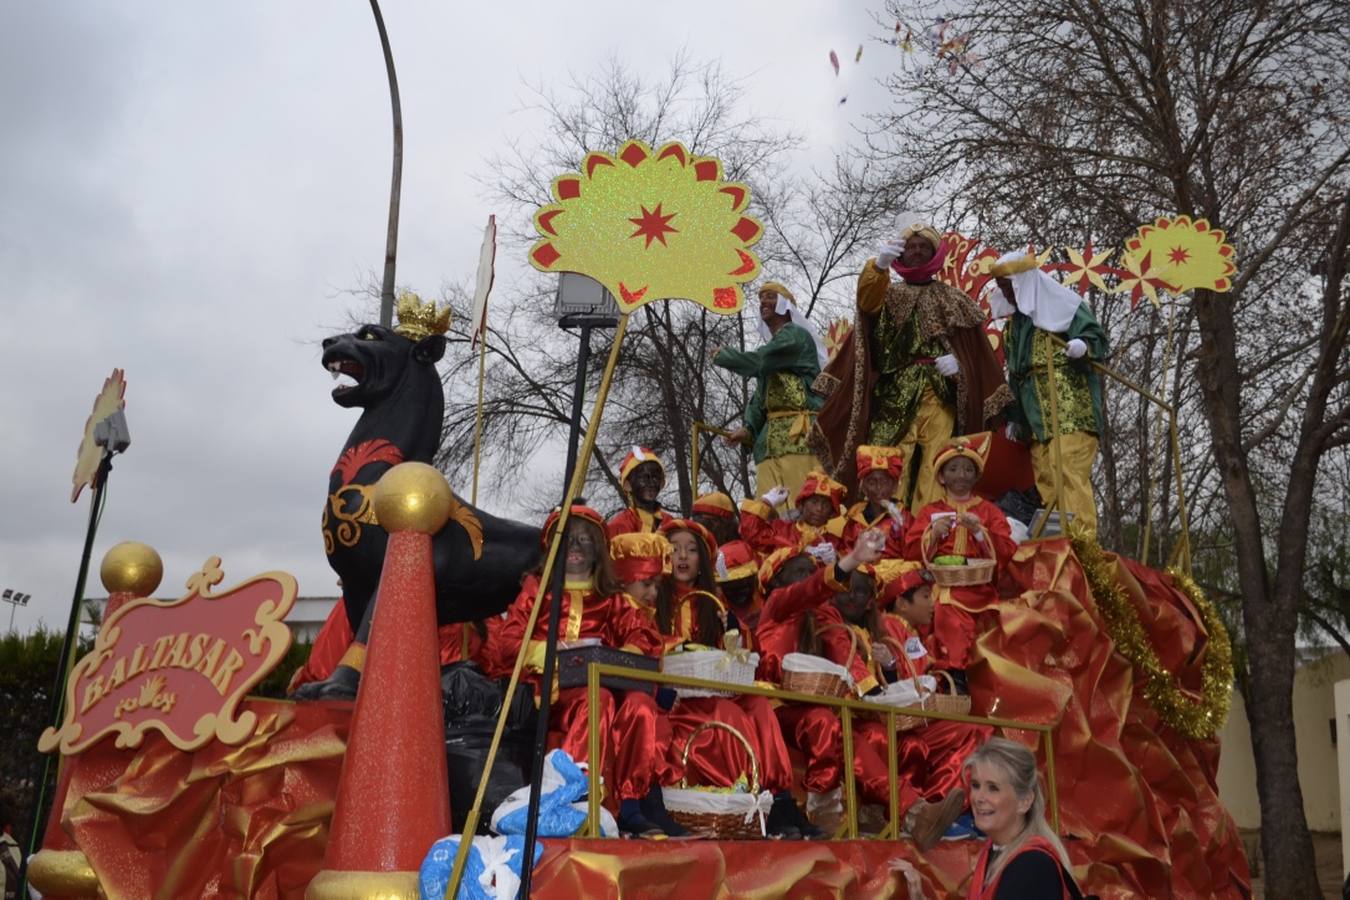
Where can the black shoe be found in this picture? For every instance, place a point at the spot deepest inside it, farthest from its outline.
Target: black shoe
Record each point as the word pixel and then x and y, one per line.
pixel 791 818
pixel 341 685
pixel 633 822
pixel 782 822
pixel 653 808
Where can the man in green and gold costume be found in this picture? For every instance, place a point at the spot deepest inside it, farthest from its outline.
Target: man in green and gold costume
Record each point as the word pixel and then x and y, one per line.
pixel 779 417
pixel 1039 307
pixel 916 370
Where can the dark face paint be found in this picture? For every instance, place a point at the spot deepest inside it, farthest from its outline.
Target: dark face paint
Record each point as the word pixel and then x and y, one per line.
pixel 582 550
pixel 854 603
pixel 959 475
pixel 646 482
pixel 816 511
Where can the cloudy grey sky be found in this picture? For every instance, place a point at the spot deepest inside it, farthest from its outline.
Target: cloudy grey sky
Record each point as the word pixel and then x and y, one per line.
pixel 186 189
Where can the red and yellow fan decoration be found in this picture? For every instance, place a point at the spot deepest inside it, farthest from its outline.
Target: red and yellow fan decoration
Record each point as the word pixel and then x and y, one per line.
pixel 651 225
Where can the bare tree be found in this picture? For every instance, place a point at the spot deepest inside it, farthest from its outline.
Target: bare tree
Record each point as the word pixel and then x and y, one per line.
pixel 818 227
pixel 1113 111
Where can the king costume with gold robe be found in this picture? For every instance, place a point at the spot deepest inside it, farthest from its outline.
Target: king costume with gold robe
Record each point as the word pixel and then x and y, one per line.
pixel 883 386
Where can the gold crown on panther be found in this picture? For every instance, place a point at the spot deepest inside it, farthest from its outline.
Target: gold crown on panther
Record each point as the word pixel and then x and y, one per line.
pixel 417 319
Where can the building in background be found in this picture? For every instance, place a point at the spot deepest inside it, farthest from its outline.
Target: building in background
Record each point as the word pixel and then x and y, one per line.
pixel 1315 733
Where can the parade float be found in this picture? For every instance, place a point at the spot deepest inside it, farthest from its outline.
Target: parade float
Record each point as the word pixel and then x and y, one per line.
pixel 173 782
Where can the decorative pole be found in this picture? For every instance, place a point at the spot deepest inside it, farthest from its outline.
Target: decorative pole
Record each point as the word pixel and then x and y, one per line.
pixel 393 796
pixel 691 241
pixel 396 181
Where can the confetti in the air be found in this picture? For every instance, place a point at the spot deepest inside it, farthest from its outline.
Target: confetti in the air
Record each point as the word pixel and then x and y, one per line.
pixel 834 61
pixel 843 100
pixel 857 57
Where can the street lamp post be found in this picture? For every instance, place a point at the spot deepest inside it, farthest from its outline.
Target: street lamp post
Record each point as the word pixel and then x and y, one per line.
pixel 15 599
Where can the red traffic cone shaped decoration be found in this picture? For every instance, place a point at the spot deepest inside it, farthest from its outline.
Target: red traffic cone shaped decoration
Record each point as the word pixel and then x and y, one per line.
pixel 393 801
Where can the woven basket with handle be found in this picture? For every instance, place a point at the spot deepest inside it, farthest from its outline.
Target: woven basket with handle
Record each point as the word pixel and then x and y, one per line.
pixel 741 817
pixel 975 571
pixel 823 684
pixel 950 702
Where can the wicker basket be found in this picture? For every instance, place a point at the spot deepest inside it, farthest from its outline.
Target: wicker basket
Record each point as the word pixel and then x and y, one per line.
pixel 950 702
pixel 718 815
pixel 711 665
pixel 821 683
pixel 934 702
pixel 976 571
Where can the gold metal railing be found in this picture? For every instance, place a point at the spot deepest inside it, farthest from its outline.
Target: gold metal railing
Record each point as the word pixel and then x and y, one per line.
pixel 847 709
pixel 1181 554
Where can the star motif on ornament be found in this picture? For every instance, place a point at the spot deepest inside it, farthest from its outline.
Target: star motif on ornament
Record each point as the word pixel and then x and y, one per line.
pixel 653 226
pixel 1179 255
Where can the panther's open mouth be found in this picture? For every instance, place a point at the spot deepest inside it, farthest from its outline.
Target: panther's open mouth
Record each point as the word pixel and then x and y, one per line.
pixel 348 372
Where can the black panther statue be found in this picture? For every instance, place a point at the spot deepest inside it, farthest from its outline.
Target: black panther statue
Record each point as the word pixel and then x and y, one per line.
pixel 478 557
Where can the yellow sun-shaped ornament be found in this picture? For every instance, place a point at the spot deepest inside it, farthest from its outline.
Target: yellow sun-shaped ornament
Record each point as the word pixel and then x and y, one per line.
pixel 651 225
pixel 1187 254
pixel 108 401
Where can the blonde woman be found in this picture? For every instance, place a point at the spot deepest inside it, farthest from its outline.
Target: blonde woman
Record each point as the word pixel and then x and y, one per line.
pixel 1023 858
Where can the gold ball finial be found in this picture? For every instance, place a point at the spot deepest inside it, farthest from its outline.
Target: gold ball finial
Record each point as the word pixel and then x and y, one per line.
pixel 413 496
pixel 131 567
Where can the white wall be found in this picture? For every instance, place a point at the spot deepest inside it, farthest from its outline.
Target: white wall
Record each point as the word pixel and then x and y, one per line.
pixel 1314 710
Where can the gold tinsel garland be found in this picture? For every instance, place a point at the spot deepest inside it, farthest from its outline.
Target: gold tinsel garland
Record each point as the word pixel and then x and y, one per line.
pixel 1177 709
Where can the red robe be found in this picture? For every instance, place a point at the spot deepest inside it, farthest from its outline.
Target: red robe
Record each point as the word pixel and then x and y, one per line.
pixel 767 534
pixel 930 759
pixel 815 730
pixel 718 758
pixel 956 607
pixel 855 522
pixel 633 519
pixel 628 746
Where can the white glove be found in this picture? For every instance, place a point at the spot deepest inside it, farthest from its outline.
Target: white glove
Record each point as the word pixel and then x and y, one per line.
pixel 947 365
pixel 776 495
pixel 1075 349
pixel 1012 432
pixel 824 552
pixel 888 253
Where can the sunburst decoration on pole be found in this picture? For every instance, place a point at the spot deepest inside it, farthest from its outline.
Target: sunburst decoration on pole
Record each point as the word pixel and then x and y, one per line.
pixel 651 225
pixel 87 457
pixel 1187 254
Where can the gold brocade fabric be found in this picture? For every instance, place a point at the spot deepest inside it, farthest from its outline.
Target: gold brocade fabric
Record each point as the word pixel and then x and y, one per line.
pixel 901 382
pixel 1073 396
pixel 786 434
pixel 246 821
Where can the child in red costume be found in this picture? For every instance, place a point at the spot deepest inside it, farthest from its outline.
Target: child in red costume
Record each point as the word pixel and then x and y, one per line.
pixel 642 477
pixel 690 610
pixel 879 471
pixel 797 617
pixel 737 575
pixel 593 606
pixel 929 758
pixel 818 529
pixel 718 514
pixel 966 526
